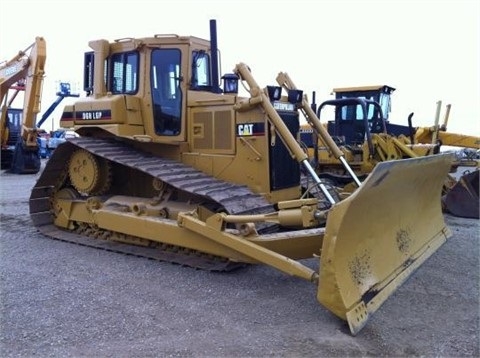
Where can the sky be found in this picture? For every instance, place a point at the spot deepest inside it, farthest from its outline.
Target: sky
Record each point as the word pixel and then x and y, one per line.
pixel 428 50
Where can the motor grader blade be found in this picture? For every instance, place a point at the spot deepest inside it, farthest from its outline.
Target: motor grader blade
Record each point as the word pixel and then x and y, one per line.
pixel 462 199
pixel 378 236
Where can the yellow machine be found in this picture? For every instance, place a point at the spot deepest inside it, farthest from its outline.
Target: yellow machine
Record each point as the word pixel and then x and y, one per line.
pixel 27 67
pixel 173 166
pixel 366 137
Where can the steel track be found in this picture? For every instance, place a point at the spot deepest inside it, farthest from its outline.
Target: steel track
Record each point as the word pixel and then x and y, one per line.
pixel 235 199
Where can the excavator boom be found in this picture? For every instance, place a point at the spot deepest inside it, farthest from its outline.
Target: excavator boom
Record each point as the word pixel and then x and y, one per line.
pixel 27 66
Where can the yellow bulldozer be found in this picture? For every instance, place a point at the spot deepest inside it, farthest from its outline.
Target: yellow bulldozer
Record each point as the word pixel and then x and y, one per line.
pixel 173 164
pixel 365 136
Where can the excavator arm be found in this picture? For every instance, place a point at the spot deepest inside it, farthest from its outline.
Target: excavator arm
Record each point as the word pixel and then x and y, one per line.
pixel 27 65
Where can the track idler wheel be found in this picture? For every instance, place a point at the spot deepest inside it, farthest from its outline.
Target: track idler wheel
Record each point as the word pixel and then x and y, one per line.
pixel 89 174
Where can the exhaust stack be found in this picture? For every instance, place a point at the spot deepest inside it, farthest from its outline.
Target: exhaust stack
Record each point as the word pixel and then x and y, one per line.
pixel 214 50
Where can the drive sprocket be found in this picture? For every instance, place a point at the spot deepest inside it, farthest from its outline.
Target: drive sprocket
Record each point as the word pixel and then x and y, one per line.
pixel 89 174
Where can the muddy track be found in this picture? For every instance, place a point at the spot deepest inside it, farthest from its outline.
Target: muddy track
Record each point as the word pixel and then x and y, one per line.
pixel 235 199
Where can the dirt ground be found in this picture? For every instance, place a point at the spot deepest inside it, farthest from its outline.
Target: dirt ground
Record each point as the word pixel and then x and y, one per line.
pixel 66 300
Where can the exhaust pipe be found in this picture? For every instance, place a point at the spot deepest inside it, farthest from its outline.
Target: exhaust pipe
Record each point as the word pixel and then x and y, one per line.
pixel 214 54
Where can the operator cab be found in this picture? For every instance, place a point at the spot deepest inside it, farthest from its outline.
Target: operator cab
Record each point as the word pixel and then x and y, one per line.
pixel 379 94
pixel 147 81
pixel 348 119
pixel 14 126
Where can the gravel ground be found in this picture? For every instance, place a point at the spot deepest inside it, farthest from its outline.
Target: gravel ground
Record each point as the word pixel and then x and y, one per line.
pixel 65 300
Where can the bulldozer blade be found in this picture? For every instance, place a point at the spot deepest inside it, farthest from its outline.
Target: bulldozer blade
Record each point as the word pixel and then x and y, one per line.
pixel 377 237
pixel 462 199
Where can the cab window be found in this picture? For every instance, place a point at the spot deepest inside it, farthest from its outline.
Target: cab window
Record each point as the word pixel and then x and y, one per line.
pixel 124 73
pixel 166 91
pixel 201 77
